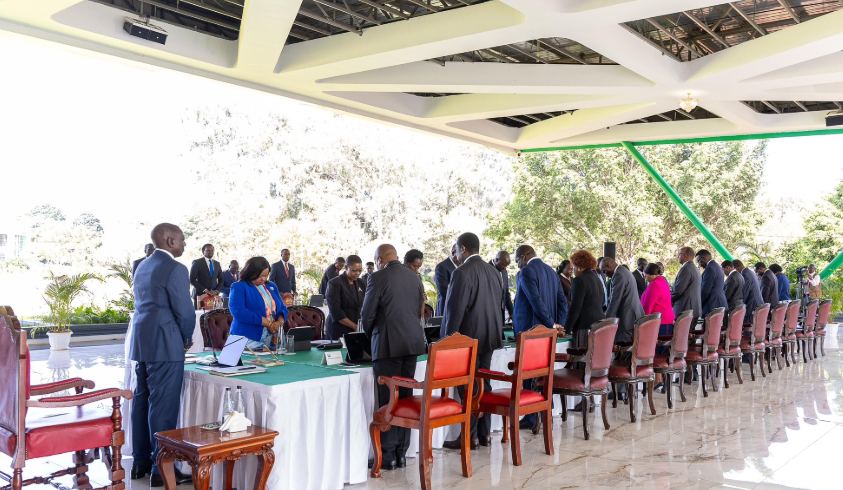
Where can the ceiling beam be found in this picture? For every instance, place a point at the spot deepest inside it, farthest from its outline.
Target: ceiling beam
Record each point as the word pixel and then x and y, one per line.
pixel 561 52
pixel 200 4
pixel 192 15
pixel 686 114
pixel 801 105
pixel 346 11
pixel 525 53
pixel 746 17
pixel 771 106
pixel 312 28
pixel 675 38
pixel 424 5
pixel 785 5
pixel 705 27
pixel 496 55
pixel 652 43
pixel 330 22
pixel 385 8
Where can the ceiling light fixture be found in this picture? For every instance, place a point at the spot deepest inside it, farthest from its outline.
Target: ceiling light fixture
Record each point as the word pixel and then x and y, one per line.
pixel 688 104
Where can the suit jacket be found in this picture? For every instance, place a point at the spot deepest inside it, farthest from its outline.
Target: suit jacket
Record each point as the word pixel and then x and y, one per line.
pixel 164 319
pixel 507 296
pixel 686 290
pixel 227 280
pixel 135 264
pixel 278 275
pixel 200 276
pixel 474 304
pixel 784 287
pixel 751 293
pixel 344 301
pixel 391 308
pixel 733 289
pixel 442 277
pixel 586 301
pixel 330 273
pixel 769 288
pixel 624 303
pixel 566 286
pixel 248 309
pixel 539 299
pixel 711 288
pixel 640 282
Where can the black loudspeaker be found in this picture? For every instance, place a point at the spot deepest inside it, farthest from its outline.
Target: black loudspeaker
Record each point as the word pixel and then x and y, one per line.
pixel 609 249
pixel 834 120
pixel 143 30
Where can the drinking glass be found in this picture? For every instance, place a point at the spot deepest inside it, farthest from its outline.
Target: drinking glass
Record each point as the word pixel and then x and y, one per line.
pixel 291 344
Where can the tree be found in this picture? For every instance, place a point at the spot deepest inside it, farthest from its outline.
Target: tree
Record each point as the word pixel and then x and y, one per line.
pixel 823 238
pixel 567 200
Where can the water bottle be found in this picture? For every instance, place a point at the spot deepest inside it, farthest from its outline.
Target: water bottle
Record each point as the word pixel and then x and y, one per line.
pixel 239 404
pixel 227 404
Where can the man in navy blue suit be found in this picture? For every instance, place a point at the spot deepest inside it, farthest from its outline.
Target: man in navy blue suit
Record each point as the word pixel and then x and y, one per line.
pixel 283 274
pixel 442 278
pixel 539 300
pixel 162 329
pixel 711 287
pixel 229 277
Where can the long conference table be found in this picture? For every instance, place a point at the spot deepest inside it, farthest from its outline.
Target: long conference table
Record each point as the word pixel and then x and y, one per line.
pixel 322 414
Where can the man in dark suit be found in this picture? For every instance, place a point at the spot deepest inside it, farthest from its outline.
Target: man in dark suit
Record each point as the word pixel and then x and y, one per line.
pixel 345 299
pixel 331 272
pixel 769 284
pixel 162 329
pixel 229 277
pixel 501 262
pixel 539 300
pixel 711 285
pixel 442 277
pixel 473 308
pixel 147 249
pixel 624 302
pixel 394 298
pixel 638 274
pixel 283 274
pixel 205 274
pixel 751 290
pixel 686 286
pixel 733 289
pixel 370 267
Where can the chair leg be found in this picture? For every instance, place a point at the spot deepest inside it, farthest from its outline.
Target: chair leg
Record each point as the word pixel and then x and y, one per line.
pixel 80 477
pixel 760 355
pixel 650 397
pixel 505 436
pixel 630 397
pixel 816 339
pixel 777 351
pixel 603 410
pixel 548 431
pixel 614 395
pixel 794 346
pixel 515 444
pixel 426 454
pixel 17 479
pixel 564 408
pixel 714 386
pixel 585 417
pixel 768 353
pixel 668 384
pixel 804 346
pixel 752 367
pixel 703 372
pixel 725 371
pixel 375 433
pixel 822 345
pixel 465 438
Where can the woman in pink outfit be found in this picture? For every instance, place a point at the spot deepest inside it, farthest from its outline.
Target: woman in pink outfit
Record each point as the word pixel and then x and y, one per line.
pixel 656 298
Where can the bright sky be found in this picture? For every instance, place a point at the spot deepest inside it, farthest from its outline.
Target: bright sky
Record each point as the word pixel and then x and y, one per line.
pixel 90 132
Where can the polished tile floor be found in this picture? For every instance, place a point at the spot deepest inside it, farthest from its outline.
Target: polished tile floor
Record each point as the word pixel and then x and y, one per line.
pixel 781 432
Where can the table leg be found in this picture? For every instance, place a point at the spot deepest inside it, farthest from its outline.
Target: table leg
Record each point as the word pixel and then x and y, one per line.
pixel 166 460
pixel 201 475
pixel 228 467
pixel 265 462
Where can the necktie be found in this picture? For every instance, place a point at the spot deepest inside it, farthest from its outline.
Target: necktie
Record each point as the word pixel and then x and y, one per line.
pixel 287 270
pixel 211 266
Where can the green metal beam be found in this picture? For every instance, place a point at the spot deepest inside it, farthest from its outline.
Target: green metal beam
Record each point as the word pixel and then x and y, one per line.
pixel 737 137
pixel 833 266
pixel 679 202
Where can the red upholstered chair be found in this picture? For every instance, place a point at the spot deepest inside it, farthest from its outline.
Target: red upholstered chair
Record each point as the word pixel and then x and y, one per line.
pixel 773 341
pixel 805 336
pixel 824 311
pixel 730 347
pixel 216 327
pixel 306 316
pixel 753 341
pixel 53 425
pixel 593 380
pixel 791 323
pixel 534 353
pixel 673 362
pixel 288 299
pixel 706 355
pixel 450 363
pixel 639 368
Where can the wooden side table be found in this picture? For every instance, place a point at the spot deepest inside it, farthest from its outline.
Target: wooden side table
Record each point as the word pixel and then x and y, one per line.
pixel 202 449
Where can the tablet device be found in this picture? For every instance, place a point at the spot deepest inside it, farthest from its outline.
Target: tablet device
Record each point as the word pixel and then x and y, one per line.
pixel 302 337
pixel 434 321
pixel 317 300
pixel 432 334
pixel 231 351
pixel 359 348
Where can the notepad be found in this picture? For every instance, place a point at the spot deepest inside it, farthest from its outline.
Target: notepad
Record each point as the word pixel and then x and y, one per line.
pixel 237 371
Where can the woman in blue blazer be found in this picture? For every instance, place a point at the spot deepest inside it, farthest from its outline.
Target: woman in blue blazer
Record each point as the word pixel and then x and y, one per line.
pixel 256 305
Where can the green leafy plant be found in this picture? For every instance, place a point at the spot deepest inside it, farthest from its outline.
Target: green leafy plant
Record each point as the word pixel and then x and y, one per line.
pixel 87 315
pixel 833 290
pixel 126 302
pixel 59 295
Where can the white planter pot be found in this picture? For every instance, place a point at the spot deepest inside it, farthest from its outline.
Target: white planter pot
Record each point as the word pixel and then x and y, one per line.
pixel 59 340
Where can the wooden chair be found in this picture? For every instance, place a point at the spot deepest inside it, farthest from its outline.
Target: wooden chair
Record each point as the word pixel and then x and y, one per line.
pixel 773 340
pixel 824 311
pixel 37 429
pixel 805 336
pixel 306 316
pixel 791 323
pixel 639 368
pixel 593 379
pixel 216 325
pixel 753 341
pixel 730 347
pixel 428 313
pixel 706 357
pixel 674 361
pixel 450 363
pixel 534 353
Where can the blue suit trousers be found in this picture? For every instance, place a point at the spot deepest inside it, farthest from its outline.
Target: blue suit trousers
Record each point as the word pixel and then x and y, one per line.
pixel 155 407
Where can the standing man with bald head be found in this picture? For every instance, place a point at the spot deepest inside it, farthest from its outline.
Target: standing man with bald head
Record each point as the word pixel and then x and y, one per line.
pixel 501 262
pixel 687 285
pixel 162 329
pixel 390 315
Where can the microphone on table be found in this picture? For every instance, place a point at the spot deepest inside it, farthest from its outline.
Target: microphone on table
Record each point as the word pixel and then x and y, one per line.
pixel 211 340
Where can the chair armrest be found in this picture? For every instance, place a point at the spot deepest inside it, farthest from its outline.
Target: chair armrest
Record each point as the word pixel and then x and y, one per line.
pixel 562 357
pixel 81 399
pixel 577 351
pixel 65 384
pixel 495 375
pixel 399 381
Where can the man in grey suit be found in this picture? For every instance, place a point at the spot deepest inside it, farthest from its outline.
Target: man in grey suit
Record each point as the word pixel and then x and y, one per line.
pixel 162 329
pixel 624 302
pixel 501 262
pixel 638 274
pixel 751 290
pixel 711 286
pixel 733 289
pixel 473 308
pixel 442 278
pixel 390 314
pixel 686 286
pixel 147 250
pixel 769 284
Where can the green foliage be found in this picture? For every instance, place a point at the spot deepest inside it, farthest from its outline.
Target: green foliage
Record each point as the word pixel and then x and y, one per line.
pixel 823 238
pixel 56 240
pixel 15 264
pixel 575 199
pixel 833 290
pixel 85 315
pixel 59 294
pixel 126 302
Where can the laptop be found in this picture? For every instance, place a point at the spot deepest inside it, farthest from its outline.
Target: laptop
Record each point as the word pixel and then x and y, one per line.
pixel 302 337
pixel 358 348
pixel 317 300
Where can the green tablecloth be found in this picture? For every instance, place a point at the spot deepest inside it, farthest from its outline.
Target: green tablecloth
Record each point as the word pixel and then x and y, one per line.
pixel 290 372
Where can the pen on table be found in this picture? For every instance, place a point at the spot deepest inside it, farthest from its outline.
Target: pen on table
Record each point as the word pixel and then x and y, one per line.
pixel 247 368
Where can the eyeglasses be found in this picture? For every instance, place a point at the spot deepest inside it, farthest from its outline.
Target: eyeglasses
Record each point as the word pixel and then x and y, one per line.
pixel 356 270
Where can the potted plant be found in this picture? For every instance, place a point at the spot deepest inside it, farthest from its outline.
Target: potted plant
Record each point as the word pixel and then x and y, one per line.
pixel 59 295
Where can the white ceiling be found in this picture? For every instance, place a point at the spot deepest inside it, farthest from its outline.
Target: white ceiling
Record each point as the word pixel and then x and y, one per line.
pixel 372 74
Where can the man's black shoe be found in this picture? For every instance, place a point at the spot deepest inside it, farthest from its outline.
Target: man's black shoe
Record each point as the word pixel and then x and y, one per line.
pixel 525 424
pixel 457 444
pixel 387 465
pixel 401 461
pixel 485 441
pixel 140 471
pixel 181 479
